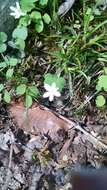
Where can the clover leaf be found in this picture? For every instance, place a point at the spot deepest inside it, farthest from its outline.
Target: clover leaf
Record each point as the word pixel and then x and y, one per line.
pixel 43 2
pixel 100 101
pixel 102 83
pixel 39 26
pixel 20 32
pixel 3 39
pixel 27 6
pixel 46 18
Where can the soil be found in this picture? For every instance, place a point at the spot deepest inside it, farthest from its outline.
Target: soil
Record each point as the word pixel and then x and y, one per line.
pixel 46 159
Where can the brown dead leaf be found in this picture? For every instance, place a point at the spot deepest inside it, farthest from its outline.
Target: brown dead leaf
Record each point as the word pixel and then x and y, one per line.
pixel 39 120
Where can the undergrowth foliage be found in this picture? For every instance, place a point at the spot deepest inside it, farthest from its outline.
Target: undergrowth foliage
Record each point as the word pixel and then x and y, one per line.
pixel 78 50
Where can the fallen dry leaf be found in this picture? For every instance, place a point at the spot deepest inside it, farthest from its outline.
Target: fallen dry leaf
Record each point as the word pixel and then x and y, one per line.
pixel 39 120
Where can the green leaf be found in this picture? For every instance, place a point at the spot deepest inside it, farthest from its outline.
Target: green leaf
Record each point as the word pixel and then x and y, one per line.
pixel 13 61
pixel 20 44
pixel 9 73
pixel 88 17
pixel 7 97
pixel 20 32
pixel 33 91
pixel 3 37
pixel 21 89
pixel 28 101
pixel 3 48
pixel 36 15
pixel 25 21
pixel 3 65
pixel 50 78
pixel 39 26
pixel 100 101
pixel 46 18
pixel 1 87
pixel 27 6
pixel 102 83
pixel 43 2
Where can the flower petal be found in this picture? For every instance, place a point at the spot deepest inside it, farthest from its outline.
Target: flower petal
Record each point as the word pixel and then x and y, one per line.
pixel 51 97
pixel 54 86
pixel 17 12
pixel 18 6
pixel 47 87
pixel 17 16
pixel 12 14
pixel 46 95
pixel 13 8
pixel 57 94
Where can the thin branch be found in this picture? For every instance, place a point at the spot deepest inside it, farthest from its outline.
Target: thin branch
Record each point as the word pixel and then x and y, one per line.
pixel 9 174
pixel 96 142
pixel 72 124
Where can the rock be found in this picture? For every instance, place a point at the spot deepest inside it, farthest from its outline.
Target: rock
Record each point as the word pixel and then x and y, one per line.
pixel 6 21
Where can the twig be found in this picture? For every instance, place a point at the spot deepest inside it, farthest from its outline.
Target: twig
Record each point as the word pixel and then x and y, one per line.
pixel 9 174
pixel 96 142
pixel 71 124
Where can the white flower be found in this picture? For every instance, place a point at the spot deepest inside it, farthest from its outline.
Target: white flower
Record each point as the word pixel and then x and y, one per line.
pixel 51 91
pixel 17 12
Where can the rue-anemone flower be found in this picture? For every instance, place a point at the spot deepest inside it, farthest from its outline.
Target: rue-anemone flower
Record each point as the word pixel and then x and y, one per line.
pixel 51 91
pixel 16 11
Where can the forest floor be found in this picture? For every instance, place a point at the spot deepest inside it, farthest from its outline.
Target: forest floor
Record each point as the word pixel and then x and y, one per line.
pixel 40 149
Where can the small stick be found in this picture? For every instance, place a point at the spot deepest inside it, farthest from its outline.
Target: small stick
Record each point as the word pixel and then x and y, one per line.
pixel 8 176
pixel 71 124
pixel 96 142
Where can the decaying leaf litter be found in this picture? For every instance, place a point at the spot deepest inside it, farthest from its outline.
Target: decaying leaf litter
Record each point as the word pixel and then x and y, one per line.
pixel 41 148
